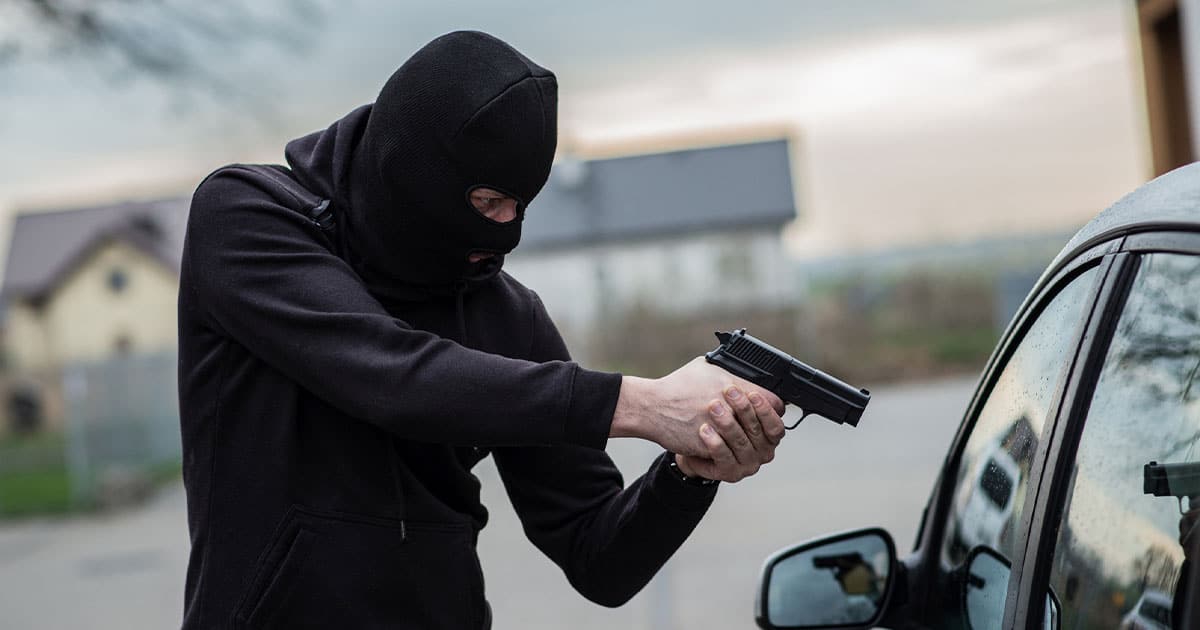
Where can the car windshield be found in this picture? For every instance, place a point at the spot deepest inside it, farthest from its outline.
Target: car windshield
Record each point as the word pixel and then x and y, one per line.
pixel 996 484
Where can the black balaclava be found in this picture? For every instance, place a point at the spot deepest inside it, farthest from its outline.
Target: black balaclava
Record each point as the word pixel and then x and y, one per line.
pixel 467 110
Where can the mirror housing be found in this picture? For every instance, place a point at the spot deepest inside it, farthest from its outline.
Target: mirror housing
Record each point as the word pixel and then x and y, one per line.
pixel 984 588
pixel 983 584
pixel 844 580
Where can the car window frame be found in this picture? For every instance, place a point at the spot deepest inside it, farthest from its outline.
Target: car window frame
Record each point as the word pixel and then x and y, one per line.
pixel 1047 510
pixel 926 564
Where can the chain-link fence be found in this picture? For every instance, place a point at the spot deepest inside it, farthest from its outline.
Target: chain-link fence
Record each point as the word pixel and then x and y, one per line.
pixel 121 427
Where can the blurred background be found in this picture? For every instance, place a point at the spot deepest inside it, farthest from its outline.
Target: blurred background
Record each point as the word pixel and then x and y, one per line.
pixel 872 185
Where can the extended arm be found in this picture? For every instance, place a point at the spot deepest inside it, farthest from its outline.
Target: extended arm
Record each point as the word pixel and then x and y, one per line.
pixel 608 540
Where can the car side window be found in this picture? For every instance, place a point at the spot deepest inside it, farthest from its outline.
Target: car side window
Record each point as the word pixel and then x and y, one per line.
pixel 989 494
pixel 1119 559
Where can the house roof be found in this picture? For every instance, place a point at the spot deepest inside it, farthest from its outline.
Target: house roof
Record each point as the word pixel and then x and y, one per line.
pixel 645 196
pixel 45 246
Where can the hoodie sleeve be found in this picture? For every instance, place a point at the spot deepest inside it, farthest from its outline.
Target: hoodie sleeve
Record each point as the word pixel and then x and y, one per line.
pixel 608 540
pixel 265 278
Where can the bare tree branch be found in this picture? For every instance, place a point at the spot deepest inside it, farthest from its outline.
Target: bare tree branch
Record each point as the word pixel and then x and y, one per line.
pixel 171 42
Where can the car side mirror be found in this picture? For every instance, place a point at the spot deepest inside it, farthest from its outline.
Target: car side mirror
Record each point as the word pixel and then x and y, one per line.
pixel 844 580
pixel 985 589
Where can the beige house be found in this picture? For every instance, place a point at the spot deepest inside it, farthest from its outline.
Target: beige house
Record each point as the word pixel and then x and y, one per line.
pixel 85 285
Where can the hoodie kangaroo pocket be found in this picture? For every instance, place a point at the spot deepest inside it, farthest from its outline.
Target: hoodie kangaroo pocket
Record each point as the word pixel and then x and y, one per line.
pixel 274 587
pixel 330 569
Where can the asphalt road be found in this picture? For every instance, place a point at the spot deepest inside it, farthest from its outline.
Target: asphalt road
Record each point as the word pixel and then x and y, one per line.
pixel 125 571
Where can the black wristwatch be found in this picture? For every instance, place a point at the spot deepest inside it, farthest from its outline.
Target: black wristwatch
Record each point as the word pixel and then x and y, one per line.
pixel 680 475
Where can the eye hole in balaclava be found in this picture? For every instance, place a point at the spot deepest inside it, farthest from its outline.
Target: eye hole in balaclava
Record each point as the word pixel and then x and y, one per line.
pixel 495 205
pixel 497 208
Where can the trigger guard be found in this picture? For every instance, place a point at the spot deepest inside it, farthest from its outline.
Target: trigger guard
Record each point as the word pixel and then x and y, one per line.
pixel 803 415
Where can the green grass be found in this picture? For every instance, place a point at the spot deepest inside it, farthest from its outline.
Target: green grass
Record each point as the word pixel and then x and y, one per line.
pixel 33 475
pixel 34 479
pixel 27 493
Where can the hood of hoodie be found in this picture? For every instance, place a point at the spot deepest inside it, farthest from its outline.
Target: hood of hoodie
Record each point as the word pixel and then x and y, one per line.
pixel 465 111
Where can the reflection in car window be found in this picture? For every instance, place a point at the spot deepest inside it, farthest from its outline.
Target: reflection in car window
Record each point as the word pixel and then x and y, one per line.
pixel 996 484
pixel 1119 557
pixel 990 492
pixel 1156 612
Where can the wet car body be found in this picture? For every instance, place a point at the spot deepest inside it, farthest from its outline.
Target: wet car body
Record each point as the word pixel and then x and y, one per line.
pixel 1097 376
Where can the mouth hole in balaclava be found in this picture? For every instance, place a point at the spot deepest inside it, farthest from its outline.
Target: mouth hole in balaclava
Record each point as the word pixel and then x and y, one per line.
pixel 495 205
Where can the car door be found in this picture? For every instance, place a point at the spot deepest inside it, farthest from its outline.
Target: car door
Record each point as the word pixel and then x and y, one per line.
pixel 988 488
pixel 1019 532
pixel 1113 540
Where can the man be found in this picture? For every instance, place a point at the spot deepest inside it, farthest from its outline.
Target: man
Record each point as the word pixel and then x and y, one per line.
pixel 349 349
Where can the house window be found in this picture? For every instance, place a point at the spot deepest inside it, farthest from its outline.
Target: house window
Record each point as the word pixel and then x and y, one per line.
pixel 118 279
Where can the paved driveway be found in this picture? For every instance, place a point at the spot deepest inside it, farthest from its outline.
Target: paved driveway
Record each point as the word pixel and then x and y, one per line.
pixel 125 571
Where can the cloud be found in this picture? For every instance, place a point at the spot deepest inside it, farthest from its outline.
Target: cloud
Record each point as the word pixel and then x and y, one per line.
pixel 1031 125
pixel 907 134
pixel 898 80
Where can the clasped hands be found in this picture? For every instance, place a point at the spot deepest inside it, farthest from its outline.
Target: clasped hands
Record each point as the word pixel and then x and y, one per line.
pixel 720 426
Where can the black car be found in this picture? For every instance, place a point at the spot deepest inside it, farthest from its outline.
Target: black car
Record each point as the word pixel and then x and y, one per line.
pixel 1063 502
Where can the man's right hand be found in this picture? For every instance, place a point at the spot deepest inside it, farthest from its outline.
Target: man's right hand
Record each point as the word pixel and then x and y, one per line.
pixel 674 410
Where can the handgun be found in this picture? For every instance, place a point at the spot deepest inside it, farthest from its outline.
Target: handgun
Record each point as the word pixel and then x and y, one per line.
pixel 842 561
pixel 812 390
pixel 852 573
pixel 1172 480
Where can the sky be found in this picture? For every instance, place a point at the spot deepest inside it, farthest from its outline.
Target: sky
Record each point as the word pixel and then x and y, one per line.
pixel 911 122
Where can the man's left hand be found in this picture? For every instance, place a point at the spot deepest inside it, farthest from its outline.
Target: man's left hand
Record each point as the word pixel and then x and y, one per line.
pixel 741 435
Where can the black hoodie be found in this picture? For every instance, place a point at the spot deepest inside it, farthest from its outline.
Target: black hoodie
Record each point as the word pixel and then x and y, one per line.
pixel 340 374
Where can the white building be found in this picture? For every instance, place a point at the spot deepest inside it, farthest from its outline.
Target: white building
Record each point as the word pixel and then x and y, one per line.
pixel 674 233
